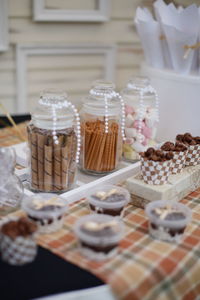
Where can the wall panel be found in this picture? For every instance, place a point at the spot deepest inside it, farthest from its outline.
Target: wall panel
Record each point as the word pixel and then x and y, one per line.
pixel 73 74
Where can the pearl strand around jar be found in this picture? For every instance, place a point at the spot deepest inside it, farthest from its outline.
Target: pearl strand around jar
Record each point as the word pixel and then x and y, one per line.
pixel 106 98
pixel 142 91
pixel 76 114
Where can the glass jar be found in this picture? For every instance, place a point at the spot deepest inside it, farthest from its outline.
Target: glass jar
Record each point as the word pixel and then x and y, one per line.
pixel 11 189
pixel 141 117
pixel 101 146
pixel 53 143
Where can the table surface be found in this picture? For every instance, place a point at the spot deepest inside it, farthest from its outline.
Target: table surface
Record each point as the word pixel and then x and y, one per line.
pixel 144 268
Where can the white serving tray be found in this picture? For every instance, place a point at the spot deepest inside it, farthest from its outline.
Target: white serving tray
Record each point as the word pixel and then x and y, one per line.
pixel 177 187
pixel 84 182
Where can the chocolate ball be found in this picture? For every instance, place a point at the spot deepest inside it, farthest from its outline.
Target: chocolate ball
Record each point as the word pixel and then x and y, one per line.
pixel 149 151
pixel 169 155
pixel 179 137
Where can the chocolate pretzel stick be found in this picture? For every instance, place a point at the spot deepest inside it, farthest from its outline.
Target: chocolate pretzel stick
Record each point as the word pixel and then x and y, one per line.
pixel 34 160
pixel 100 154
pixel 88 134
pixel 93 140
pixel 115 145
pixel 111 152
pixel 92 165
pixel 114 150
pixel 48 165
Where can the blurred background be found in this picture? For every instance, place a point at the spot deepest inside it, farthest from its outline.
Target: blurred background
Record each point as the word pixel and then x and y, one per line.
pixel 66 44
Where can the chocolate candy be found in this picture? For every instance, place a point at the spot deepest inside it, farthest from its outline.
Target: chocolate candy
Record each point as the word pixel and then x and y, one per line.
pixel 22 227
pixel 188 139
pixel 156 155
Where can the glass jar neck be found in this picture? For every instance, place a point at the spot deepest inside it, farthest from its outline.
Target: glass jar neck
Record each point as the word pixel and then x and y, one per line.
pixel 102 89
pixel 138 82
pixel 102 99
pixel 52 112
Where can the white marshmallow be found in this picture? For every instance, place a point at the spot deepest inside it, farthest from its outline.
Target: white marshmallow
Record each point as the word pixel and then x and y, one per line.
pixel 138 147
pixel 130 132
pixel 129 120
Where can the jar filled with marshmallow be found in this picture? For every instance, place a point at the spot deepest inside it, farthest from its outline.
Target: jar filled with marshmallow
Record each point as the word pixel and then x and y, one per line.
pixel 141 117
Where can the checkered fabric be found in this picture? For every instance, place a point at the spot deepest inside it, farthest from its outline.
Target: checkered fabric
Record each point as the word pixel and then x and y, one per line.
pixel 178 162
pixel 9 136
pixel 155 172
pixel 144 268
pixel 193 155
pixel 18 251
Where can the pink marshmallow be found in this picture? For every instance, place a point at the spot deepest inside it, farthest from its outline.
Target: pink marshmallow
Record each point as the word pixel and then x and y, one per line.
pixel 129 109
pixel 144 143
pixel 147 132
pixel 136 124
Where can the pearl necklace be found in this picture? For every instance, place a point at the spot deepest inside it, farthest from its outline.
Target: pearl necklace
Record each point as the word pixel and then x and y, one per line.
pixel 63 104
pixel 109 96
pixel 142 91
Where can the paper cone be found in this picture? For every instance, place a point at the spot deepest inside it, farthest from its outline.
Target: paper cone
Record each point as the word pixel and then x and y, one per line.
pixel 149 32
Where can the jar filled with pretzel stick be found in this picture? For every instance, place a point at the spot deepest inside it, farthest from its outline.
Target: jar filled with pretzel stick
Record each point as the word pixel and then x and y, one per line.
pixel 102 120
pixel 54 143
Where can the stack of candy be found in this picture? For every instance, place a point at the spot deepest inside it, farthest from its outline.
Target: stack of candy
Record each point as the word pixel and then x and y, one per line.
pixel 138 141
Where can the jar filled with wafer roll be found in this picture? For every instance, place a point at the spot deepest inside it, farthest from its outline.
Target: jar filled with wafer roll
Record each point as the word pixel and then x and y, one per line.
pixel 102 121
pixel 54 143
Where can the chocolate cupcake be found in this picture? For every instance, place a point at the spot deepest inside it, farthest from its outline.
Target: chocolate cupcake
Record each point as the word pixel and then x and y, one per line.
pixel 167 220
pixel 17 243
pixel 109 199
pixel 179 155
pixel 155 166
pixel 46 210
pixel 98 236
pixel 193 144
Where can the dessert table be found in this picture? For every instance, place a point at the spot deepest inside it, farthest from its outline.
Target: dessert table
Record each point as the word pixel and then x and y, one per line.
pixel 144 268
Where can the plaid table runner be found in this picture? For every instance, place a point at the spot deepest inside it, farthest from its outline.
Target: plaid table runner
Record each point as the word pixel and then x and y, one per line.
pixel 144 269
pixel 9 136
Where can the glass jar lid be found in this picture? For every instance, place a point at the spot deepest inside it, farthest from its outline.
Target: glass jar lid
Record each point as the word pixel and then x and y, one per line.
pixel 100 92
pixel 53 111
pixel 137 83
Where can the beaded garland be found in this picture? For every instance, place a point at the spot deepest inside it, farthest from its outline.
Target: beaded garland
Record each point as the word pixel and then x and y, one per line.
pixel 142 91
pixel 109 96
pixel 54 106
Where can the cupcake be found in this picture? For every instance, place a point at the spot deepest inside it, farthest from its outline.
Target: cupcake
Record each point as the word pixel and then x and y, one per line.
pixel 167 220
pixel 17 243
pixel 109 199
pixel 98 236
pixel 46 210
pixel 179 155
pixel 193 144
pixel 155 166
